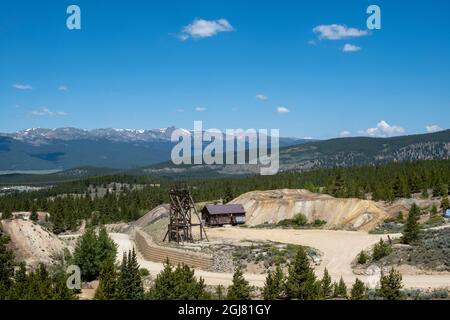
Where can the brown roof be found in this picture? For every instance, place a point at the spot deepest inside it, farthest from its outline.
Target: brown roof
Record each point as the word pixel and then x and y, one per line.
pixel 225 209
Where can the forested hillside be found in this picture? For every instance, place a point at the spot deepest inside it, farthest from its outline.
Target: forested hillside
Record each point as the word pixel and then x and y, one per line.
pixel 125 198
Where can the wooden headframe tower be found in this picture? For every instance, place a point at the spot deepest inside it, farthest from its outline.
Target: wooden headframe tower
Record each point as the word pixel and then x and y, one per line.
pixel 182 207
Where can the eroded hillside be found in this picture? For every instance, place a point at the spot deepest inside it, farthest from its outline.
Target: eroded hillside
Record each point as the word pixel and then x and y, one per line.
pixel 276 205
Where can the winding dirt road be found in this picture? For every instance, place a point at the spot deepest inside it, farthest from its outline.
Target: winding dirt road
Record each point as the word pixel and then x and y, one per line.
pixel 338 248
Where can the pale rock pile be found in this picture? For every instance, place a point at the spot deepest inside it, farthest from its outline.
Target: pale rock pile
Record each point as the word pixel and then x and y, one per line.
pixel 31 243
pixel 274 206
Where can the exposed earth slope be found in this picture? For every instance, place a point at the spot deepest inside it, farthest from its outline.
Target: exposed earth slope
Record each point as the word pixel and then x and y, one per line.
pixel 31 243
pixel 274 206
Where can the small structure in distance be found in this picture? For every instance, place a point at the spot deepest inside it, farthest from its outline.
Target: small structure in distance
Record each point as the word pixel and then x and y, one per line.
pixel 182 208
pixel 219 215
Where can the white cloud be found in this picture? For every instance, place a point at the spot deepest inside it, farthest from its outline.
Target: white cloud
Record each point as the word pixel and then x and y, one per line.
pixel 201 28
pixel 338 32
pixel 312 42
pixel 345 133
pixel 261 97
pixel 22 86
pixel 63 88
pixel 383 129
pixel 180 110
pixel 350 48
pixel 45 112
pixel 283 110
pixel 433 128
pixel 200 109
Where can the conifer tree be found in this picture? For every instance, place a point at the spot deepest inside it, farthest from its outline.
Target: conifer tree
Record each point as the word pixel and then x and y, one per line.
pixel 240 288
pixel 86 255
pixel 391 285
pixel 164 283
pixel 340 289
pixel 301 281
pixel 7 214
pixel 130 285
pixel 219 295
pixel 359 291
pixel 34 214
pixel 362 257
pixel 107 248
pixel 327 289
pixel 107 289
pixel 6 266
pixel 273 288
pixel 411 232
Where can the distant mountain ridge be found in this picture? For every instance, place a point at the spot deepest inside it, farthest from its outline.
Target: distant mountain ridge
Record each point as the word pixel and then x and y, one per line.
pixel 66 148
pixel 341 152
pixel 41 135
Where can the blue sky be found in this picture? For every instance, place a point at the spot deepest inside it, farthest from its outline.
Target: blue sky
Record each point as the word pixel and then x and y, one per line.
pixel 152 64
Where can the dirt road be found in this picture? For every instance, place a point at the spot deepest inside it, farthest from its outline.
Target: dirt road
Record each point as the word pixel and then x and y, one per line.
pixel 339 248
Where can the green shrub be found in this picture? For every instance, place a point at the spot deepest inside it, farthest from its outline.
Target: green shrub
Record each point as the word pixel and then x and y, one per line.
pixel 362 257
pixel 144 272
pixel 381 249
pixel 300 219
pixel 319 223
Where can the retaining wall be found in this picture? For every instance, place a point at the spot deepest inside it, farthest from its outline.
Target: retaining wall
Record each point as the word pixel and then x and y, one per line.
pixel 153 252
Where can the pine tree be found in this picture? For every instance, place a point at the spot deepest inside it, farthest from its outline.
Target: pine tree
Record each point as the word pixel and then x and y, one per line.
pixel 186 285
pixel 273 288
pixel 60 291
pixel 391 285
pixel 164 284
pixel 86 255
pixel 381 250
pixel 327 289
pixel 7 214
pixel 240 288
pixel 19 290
pixel 107 248
pixel 6 266
pixel 433 211
pixel 340 289
pixel 411 232
pixel 34 214
pixel 362 257
pixel 107 289
pixel 130 285
pixel 301 281
pixel 359 291
pixel 180 284
pixel 219 295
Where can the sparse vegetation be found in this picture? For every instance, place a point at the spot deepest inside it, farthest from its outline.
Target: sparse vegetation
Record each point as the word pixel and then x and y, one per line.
pixel 431 252
pixel 381 249
pixel 362 257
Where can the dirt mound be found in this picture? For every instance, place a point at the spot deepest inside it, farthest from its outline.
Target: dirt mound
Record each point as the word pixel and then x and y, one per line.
pixel 31 243
pixel 277 205
pixel 150 217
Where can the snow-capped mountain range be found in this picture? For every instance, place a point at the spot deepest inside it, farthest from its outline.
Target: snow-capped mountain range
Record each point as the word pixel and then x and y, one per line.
pixel 37 136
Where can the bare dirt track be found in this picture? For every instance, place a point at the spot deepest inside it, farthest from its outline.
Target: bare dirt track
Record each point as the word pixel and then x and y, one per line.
pixel 339 248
